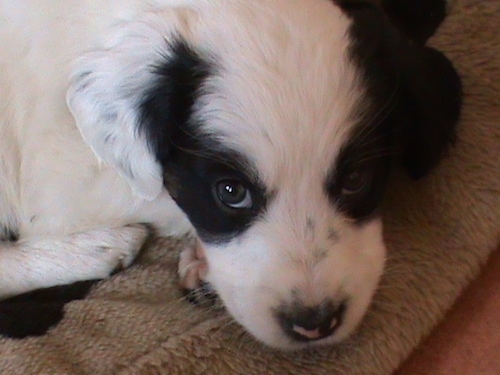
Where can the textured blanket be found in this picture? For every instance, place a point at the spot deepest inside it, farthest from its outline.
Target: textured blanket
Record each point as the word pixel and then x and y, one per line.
pixel 439 230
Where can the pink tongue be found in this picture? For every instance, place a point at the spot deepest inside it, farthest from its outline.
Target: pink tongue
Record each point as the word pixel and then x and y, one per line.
pixel 306 333
pixel 312 334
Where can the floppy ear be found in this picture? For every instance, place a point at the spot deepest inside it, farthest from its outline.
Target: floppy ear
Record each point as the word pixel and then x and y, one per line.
pixel 422 89
pixel 130 96
pixel 430 86
pixel 418 20
pixel 429 108
pixel 104 95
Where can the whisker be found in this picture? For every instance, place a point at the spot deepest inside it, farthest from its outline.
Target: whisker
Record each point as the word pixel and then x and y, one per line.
pixel 383 112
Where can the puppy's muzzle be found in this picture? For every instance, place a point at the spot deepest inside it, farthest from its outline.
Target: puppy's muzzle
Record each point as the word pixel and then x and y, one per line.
pixel 311 323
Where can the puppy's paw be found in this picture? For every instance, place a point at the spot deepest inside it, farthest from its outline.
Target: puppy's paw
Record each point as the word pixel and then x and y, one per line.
pixel 117 248
pixel 192 272
pixel 192 266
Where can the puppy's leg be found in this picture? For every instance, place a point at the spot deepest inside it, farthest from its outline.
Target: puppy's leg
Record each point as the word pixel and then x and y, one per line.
pixel 29 265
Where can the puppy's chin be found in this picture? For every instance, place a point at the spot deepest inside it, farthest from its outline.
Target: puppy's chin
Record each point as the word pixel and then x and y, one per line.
pixel 263 327
pixel 257 282
pixel 249 309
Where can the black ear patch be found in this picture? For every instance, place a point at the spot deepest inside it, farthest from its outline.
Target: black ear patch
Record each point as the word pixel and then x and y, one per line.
pixel 414 90
pixel 34 313
pixel 417 19
pixel 167 106
pixel 430 108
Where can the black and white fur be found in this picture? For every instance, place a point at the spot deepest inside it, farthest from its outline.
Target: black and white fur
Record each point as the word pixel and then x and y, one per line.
pixel 266 127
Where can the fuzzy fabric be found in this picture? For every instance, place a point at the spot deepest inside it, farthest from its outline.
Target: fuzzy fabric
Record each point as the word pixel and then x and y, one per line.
pixel 440 232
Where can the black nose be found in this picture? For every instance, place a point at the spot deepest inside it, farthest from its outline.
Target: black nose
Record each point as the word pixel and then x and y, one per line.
pixel 311 323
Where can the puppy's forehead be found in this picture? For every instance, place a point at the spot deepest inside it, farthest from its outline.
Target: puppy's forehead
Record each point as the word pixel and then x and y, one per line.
pixel 285 91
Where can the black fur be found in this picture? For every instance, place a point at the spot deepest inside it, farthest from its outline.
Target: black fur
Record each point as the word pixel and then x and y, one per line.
pixel 413 90
pixel 417 19
pixel 8 234
pixel 197 172
pixel 167 106
pixel 34 313
pixel 370 150
pixel 189 159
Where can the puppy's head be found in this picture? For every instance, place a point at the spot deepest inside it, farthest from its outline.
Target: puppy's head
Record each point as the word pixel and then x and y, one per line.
pixel 273 125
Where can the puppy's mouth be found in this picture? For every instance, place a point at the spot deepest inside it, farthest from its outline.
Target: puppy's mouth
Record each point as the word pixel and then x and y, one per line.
pixel 302 327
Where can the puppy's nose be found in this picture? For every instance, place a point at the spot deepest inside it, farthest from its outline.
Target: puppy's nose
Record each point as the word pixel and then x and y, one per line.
pixel 311 323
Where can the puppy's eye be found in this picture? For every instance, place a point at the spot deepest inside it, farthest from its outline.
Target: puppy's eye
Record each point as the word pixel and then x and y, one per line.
pixel 356 181
pixel 233 194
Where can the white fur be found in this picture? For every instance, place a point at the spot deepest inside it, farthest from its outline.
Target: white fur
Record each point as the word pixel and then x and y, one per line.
pixel 288 115
pixel 50 261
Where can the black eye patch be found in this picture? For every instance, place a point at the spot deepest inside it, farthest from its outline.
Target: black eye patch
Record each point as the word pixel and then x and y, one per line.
pixel 217 192
pixel 357 183
pixel 215 188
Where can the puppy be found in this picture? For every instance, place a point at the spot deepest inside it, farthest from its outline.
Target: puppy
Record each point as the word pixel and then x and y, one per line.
pixel 266 128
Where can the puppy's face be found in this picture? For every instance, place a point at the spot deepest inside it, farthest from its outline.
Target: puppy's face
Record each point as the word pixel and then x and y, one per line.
pixel 271 134
pixel 281 177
